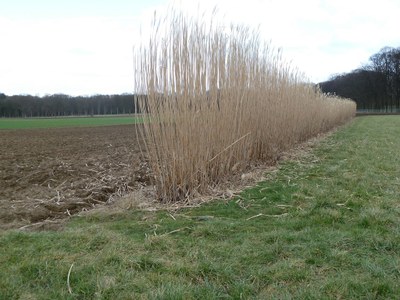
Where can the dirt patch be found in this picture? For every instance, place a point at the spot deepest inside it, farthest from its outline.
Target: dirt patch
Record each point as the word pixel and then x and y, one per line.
pixel 48 174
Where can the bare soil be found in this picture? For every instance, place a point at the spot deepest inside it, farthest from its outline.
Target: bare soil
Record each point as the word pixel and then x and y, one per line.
pixel 47 175
pixel 50 174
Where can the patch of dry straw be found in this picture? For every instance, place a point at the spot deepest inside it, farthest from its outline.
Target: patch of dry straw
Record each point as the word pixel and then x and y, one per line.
pixel 218 101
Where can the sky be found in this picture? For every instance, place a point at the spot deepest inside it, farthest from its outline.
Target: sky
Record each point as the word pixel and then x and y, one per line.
pixel 85 47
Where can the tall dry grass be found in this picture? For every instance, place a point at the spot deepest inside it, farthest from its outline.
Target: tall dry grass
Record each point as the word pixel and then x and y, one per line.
pixel 218 99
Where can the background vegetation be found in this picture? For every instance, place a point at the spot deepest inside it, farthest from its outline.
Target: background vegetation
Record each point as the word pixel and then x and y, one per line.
pixel 323 226
pixel 64 105
pixel 375 86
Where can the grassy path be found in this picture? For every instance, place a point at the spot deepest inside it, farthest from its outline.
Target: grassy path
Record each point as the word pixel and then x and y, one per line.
pixel 326 226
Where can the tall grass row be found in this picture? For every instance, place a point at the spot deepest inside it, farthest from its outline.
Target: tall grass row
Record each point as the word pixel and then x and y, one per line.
pixel 219 99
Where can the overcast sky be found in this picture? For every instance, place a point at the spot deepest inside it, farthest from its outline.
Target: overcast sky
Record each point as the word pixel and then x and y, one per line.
pixel 83 47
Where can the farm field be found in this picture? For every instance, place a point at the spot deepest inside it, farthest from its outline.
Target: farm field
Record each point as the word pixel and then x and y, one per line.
pixel 54 172
pixel 27 123
pixel 324 225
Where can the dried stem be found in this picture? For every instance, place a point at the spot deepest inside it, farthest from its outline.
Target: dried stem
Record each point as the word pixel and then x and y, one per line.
pixel 205 89
pixel 69 274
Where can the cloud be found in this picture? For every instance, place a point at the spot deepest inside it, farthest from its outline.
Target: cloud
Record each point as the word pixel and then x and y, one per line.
pixel 70 55
pixel 321 37
pixel 91 52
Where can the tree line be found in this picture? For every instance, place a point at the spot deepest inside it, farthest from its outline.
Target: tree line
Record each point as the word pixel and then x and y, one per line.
pixel 64 105
pixel 375 86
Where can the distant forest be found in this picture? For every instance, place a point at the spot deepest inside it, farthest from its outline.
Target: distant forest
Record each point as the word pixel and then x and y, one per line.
pixel 64 105
pixel 375 86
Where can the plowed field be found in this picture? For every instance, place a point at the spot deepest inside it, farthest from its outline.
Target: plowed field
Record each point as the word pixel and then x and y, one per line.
pixel 54 173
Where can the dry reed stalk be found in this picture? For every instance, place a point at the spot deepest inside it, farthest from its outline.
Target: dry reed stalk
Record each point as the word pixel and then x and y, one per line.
pixel 219 99
pixel 68 276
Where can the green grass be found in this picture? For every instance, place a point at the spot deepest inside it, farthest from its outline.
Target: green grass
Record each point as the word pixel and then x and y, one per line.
pixel 329 229
pixel 26 123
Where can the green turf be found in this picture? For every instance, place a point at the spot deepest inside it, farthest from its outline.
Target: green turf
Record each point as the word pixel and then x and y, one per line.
pixel 324 226
pixel 26 123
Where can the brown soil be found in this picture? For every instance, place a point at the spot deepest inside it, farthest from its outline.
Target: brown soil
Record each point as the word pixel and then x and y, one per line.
pixel 49 174
pixel 46 175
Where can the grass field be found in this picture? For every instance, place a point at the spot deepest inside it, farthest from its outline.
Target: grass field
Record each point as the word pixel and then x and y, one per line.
pixel 323 226
pixel 25 123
